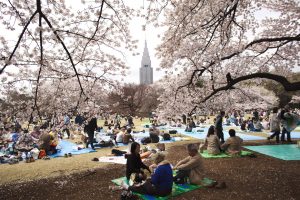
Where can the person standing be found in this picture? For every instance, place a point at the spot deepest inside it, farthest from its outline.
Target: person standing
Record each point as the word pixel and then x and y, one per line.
pixel 275 125
pixel 184 119
pixel 219 127
pixel 284 116
pixel 66 125
pixel 90 128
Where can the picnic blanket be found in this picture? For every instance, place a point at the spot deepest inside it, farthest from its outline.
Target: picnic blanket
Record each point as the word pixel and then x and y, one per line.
pixel 69 147
pixel 202 135
pixel 113 159
pixel 283 152
pixel 223 155
pixel 176 190
pixel 294 134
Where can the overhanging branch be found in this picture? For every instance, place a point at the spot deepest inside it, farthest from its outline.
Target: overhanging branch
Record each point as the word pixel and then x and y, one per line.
pixel 288 86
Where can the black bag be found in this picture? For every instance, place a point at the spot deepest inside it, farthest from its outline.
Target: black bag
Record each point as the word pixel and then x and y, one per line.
pixel 117 152
pixel 146 140
pixel 172 131
pixel 181 177
pixel 106 143
pixel 154 138
pixel 167 136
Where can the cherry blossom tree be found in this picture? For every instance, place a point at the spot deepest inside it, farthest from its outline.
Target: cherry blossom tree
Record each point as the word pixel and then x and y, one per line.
pixel 136 100
pixel 215 49
pixel 63 56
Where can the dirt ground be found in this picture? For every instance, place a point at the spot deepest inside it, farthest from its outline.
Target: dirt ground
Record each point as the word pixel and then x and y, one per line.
pixel 262 177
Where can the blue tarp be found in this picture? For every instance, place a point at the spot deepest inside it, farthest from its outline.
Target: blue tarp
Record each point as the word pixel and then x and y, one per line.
pixel 283 152
pixel 69 147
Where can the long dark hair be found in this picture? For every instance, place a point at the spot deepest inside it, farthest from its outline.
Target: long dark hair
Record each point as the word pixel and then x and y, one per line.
pixel 133 147
pixel 211 131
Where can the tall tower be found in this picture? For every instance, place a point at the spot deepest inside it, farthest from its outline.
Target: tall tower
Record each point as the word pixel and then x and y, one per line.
pixel 146 71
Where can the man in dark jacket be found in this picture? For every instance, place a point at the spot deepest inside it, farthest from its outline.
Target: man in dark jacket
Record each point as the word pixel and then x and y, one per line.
pixel 90 128
pixel 219 127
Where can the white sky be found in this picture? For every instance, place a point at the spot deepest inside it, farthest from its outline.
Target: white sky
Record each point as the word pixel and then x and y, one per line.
pixel 151 35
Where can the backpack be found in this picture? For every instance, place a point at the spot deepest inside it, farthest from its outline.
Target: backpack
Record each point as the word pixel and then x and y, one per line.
pixel 167 136
pixel 154 138
pixel 146 140
pixel 106 143
pixel 172 131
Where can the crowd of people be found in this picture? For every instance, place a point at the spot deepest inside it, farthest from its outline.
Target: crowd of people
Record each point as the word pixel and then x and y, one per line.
pixel 22 143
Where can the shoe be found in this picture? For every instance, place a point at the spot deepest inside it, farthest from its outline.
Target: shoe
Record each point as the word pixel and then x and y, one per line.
pixel 31 159
pixel 221 185
pixel 69 154
pixel 46 158
pixel 66 155
pixel 95 159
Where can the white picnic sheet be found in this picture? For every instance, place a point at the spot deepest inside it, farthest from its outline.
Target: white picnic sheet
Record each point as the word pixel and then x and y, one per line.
pixel 113 159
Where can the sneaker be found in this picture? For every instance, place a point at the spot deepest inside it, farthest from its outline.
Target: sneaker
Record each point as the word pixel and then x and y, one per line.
pixel 95 159
pixel 221 185
pixel 46 158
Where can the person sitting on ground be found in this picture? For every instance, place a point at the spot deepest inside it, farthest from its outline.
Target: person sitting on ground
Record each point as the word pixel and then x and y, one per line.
pixel 134 163
pixel 227 121
pixel 109 131
pixel 120 135
pixel 233 145
pixel 243 126
pixel 154 135
pixel 190 125
pixel 178 123
pixel 161 181
pixel 257 125
pixel 45 143
pixel 127 137
pixel 25 143
pixel 190 167
pixel 212 142
pixel 36 133
pixel 250 125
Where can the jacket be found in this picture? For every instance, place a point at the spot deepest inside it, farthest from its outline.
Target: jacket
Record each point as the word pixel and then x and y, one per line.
pixel 162 178
pixel 194 164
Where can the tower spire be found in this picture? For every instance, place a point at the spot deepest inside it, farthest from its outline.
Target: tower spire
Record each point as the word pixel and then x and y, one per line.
pixel 146 71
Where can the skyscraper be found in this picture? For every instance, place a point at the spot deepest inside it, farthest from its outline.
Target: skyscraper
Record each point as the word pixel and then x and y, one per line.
pixel 146 71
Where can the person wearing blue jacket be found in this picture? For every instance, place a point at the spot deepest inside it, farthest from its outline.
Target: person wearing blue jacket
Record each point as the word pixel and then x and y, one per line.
pixel 161 181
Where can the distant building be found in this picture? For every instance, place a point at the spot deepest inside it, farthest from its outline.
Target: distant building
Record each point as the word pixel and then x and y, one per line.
pixel 146 71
